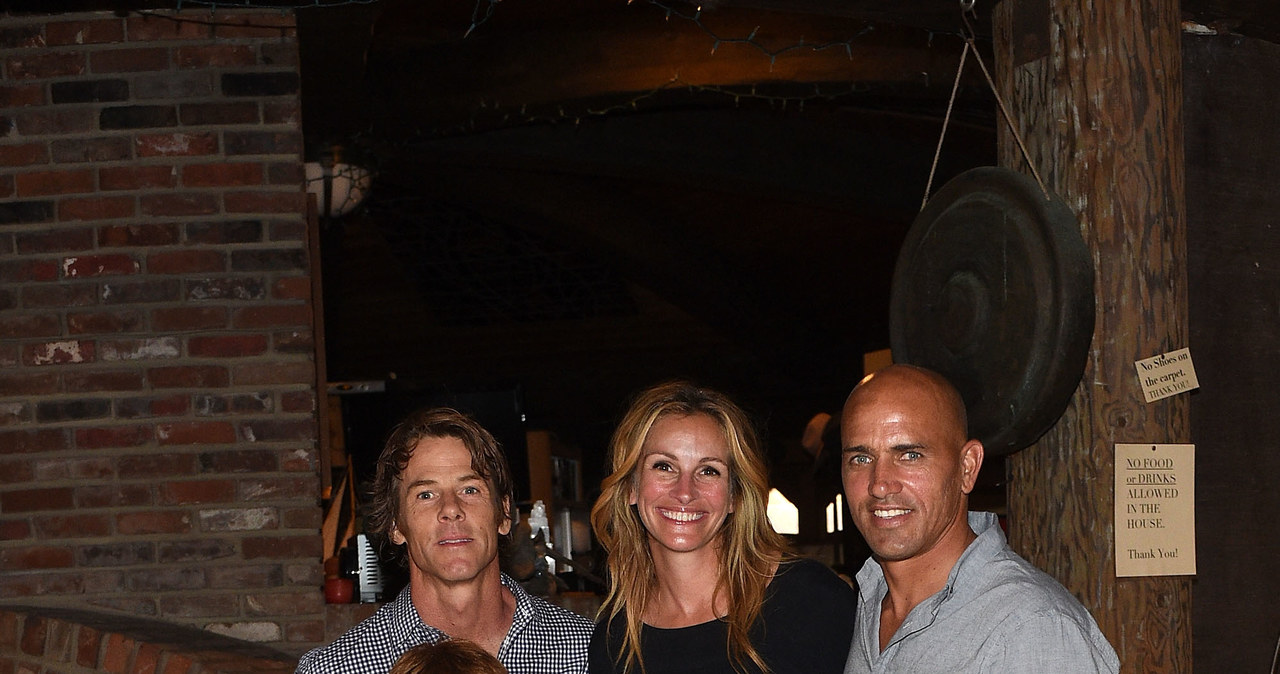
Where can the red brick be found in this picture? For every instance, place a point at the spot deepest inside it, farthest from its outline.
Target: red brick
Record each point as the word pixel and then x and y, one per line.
pixel 273 373
pixel 88 646
pixel 87 468
pixel 55 241
pixel 118 653
pixel 148 28
pixel 196 433
pixel 89 382
pixel 281 547
pixel 293 341
pixel 13 413
pixel 292 288
pixel 297 401
pixel 218 114
pixel 199 491
pixel 173 85
pixel 227 346
pixel 22 95
pixel 186 262
pixel 239 288
pixel 177 663
pixel 14 530
pixel 215 56
pixel 98 31
pixel 105 322
pixel 29 384
pixel 279 53
pixel 34 500
pixel 97 208
pixel 115 436
pixel 289 230
pixel 205 606
pixel 282 112
pixel 188 318
pixel 154 466
pixel 152 290
pixel 25 154
pixel 221 175
pixel 163 406
pixel 137 60
pixel 79 409
pixel 285 173
pixel 8 188
pixel 45 183
pixel 138 235
pixel 61 295
pixel 35 631
pixel 136 177
pixel 38 65
pixel 29 326
pixel 177 144
pixel 72 526
pixel 16 472
pixel 30 441
pixel 80 150
pixel 288 315
pixel 179 204
pixel 274 25
pixel 305 517
pixel 18 271
pixel 58 353
pixel 160 522
pixel 112 496
pixel 147 348
pixel 281 488
pixel 99 265
pixel 266 202
pixel 297 602
pixel 54 121
pixel 240 461
pixel 239 519
pixel 277 430
pixel 188 376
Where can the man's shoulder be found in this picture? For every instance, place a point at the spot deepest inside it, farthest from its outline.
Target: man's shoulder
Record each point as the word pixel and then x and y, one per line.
pixel 367 644
pixel 551 614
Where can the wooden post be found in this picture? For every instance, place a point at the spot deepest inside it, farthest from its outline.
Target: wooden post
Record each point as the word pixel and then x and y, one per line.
pixel 1096 92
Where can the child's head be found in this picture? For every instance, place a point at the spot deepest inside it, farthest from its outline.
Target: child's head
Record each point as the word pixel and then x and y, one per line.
pixel 448 657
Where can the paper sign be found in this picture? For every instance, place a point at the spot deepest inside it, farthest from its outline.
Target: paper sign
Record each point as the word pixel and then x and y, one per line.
pixel 1155 510
pixel 1167 374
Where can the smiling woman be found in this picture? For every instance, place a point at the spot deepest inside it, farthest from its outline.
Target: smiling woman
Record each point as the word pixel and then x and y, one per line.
pixel 700 581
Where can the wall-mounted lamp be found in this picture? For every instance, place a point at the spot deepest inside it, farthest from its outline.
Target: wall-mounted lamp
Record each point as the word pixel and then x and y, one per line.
pixel 338 187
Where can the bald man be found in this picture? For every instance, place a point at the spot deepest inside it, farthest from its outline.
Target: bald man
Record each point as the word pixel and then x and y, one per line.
pixel 943 592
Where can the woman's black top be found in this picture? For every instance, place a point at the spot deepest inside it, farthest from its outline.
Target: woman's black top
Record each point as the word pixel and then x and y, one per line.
pixel 805 627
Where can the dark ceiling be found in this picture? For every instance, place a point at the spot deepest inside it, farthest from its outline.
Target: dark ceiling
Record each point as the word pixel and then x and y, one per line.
pixel 582 197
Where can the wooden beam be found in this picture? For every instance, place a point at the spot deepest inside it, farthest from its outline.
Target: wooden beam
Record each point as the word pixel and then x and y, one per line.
pixel 1096 89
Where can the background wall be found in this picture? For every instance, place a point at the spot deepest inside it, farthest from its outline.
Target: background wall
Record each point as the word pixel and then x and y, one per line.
pixel 1233 275
pixel 157 380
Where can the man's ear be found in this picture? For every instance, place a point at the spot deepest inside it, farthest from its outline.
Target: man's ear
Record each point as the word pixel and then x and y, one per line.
pixel 504 527
pixel 396 537
pixel 970 463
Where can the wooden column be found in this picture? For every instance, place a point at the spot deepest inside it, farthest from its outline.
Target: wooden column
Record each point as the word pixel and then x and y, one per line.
pixel 1096 91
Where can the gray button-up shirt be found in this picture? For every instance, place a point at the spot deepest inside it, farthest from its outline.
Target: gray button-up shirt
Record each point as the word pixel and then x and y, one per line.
pixel 997 613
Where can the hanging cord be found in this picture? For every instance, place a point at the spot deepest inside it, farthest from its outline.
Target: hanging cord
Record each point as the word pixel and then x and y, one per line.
pixel 970 43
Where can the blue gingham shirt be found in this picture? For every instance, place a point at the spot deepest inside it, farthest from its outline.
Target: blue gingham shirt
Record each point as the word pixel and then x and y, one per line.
pixel 544 639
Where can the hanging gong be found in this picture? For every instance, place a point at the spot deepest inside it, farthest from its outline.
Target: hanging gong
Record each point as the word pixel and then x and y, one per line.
pixel 993 289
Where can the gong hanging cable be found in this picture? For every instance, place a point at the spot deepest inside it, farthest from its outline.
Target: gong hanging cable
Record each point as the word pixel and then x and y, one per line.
pixel 970 36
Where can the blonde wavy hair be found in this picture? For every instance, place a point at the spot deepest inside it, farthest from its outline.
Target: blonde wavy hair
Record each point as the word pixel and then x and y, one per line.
pixel 750 551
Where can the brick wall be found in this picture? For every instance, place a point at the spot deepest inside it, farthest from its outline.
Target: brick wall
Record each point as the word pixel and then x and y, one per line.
pixel 157 371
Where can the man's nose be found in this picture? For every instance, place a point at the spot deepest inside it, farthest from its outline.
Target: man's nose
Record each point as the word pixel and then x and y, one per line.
pixel 884 481
pixel 450 506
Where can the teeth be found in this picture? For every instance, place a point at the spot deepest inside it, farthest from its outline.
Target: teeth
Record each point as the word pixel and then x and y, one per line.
pixel 454 540
pixel 890 513
pixel 682 516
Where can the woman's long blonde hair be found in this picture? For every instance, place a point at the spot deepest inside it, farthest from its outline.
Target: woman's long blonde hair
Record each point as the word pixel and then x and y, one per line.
pixel 750 550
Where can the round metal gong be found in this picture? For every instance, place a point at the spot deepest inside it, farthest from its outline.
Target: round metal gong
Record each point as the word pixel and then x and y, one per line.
pixel 993 289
